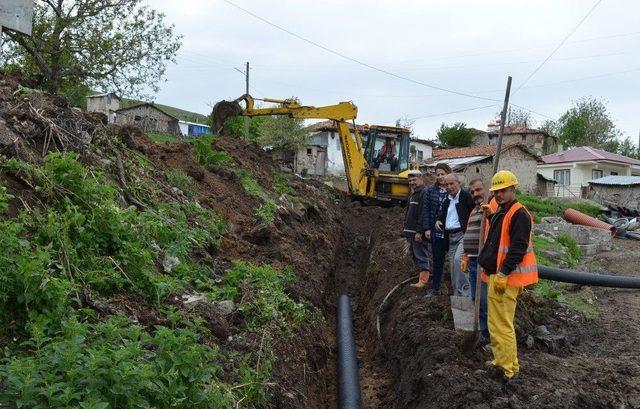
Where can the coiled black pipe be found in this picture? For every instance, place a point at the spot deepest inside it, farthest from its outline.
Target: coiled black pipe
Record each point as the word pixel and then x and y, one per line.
pixel 580 277
pixel 348 379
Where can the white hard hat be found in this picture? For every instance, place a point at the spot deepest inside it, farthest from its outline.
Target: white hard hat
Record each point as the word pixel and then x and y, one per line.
pixel 415 172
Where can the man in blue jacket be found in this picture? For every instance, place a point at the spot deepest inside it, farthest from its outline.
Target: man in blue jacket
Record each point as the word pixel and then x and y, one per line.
pixel 415 224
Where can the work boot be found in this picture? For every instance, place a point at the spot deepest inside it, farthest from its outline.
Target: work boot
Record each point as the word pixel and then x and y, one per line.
pixel 423 279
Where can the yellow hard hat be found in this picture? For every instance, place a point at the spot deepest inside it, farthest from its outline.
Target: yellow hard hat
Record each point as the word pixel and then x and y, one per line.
pixel 502 179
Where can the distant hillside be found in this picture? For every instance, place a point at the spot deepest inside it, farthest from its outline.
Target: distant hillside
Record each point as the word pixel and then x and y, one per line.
pixel 181 114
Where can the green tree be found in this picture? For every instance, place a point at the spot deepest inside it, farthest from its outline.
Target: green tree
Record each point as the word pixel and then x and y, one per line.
pixel 282 132
pixel 120 45
pixel 587 123
pixel 456 135
pixel 234 126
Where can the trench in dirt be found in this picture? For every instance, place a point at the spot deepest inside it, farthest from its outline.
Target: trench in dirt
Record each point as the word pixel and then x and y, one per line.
pixel 364 227
pixel 419 361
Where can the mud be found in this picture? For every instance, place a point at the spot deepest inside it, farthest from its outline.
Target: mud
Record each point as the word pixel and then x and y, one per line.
pixel 336 246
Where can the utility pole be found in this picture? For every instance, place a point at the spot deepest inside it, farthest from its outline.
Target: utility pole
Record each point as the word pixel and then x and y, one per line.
pixel 246 118
pixel 503 117
pixel 246 91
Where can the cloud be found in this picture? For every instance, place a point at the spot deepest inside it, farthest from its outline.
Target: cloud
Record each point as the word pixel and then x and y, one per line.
pixel 468 46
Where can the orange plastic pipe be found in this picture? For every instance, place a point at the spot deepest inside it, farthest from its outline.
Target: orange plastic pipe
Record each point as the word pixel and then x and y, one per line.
pixel 576 217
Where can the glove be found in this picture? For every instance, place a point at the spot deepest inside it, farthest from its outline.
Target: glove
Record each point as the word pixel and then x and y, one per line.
pixel 464 264
pixel 486 210
pixel 500 283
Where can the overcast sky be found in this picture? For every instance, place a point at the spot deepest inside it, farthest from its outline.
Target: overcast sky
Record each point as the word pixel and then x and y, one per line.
pixel 468 47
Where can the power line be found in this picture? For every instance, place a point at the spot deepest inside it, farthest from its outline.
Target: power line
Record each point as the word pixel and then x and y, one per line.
pixel 346 57
pixel 445 113
pixel 558 47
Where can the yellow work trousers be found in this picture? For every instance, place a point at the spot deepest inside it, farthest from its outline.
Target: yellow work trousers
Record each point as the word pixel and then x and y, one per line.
pixel 502 311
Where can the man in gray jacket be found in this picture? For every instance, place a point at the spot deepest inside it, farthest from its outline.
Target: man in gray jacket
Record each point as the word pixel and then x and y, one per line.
pixel 415 224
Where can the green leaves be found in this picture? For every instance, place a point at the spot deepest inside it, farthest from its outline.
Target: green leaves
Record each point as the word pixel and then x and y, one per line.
pixel 206 155
pixel 120 45
pixel 456 135
pixel 116 364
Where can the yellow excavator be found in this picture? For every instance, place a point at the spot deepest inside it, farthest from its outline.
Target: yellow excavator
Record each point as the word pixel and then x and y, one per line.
pixel 377 169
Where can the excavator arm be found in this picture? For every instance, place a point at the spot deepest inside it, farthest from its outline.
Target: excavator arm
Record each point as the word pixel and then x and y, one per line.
pixel 352 151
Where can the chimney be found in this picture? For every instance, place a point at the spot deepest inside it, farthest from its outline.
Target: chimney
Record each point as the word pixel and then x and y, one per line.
pixel 494 126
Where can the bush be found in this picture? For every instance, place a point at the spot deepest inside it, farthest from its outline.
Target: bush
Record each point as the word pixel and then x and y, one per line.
pixel 116 364
pixel 206 155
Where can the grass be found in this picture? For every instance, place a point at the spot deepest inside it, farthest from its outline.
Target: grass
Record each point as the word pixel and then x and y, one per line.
pixel 582 300
pixel 548 206
pixel 267 210
pixel 182 181
pixel 160 137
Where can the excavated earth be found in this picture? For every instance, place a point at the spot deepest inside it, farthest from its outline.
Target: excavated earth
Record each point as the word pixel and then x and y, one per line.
pixel 336 246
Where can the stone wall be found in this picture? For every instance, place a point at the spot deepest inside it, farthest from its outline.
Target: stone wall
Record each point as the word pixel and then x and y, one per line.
pixel 617 196
pixel 516 160
pixel 149 119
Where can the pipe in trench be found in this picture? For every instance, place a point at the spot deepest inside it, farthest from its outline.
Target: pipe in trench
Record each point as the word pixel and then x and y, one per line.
pixel 348 379
pixel 581 277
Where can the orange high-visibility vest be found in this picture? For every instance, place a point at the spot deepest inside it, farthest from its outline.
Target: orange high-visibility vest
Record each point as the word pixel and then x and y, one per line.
pixel 525 273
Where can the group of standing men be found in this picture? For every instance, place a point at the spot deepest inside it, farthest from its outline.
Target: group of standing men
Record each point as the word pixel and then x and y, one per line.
pixel 444 218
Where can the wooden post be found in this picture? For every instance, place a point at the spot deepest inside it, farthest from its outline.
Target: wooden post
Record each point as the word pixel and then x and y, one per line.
pixel 246 118
pixel 503 117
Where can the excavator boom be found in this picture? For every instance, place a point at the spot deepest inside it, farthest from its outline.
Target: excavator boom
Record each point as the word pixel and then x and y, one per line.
pixel 352 152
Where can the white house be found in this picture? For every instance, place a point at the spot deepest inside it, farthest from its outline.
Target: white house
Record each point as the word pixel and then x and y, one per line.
pixel 420 150
pixel 574 168
pixel 323 154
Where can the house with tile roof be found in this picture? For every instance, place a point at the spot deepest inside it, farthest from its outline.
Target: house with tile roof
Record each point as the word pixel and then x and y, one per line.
pixel 538 141
pixel 323 154
pixel 477 161
pixel 574 168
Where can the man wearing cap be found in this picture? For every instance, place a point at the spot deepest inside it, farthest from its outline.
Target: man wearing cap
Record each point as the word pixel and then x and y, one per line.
pixel 415 225
pixel 509 265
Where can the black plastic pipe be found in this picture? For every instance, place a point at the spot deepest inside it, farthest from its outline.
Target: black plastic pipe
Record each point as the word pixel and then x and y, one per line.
pixel 348 379
pixel 580 277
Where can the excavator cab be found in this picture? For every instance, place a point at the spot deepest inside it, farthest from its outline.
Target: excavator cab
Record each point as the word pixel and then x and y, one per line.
pixel 387 155
pixel 387 148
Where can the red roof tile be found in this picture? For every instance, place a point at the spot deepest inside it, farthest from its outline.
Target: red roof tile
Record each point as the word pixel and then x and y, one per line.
pixel 587 153
pixel 485 150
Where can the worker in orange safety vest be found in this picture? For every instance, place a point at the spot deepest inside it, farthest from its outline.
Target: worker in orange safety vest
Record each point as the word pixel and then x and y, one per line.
pixel 509 264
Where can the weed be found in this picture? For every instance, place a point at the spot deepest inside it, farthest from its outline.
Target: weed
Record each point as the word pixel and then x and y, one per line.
pixel 182 181
pixel 4 199
pixel 570 243
pixel 206 155
pixel 266 211
pixel 548 206
pixel 259 292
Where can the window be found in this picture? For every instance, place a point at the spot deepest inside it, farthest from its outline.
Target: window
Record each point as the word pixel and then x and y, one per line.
pixel 309 151
pixel 596 174
pixel 524 138
pixel 614 173
pixel 420 156
pixel 562 176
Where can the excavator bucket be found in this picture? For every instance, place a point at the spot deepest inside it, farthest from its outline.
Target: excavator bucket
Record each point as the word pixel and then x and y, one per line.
pixel 222 111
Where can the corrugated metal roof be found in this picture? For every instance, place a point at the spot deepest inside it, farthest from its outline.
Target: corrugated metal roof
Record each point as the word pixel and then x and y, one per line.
pixel 457 162
pixel 617 180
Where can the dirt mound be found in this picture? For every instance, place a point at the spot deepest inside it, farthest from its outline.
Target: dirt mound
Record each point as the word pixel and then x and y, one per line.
pixel 34 123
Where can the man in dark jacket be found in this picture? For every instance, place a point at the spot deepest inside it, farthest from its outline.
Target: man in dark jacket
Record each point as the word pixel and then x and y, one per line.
pixel 453 219
pixel 415 226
